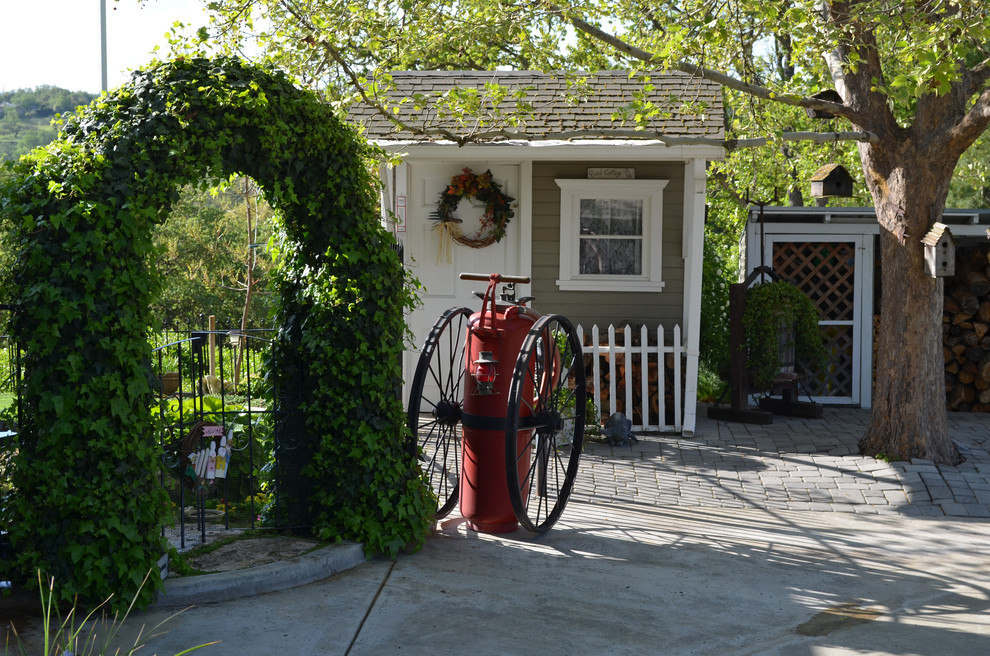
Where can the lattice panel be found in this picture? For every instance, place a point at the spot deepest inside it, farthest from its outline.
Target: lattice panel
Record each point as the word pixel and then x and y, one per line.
pixel 837 379
pixel 825 271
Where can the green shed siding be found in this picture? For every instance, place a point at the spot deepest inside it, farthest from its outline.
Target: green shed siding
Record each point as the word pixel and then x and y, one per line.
pixel 619 308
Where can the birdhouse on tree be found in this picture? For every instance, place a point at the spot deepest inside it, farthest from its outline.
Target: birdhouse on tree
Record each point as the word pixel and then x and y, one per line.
pixel 828 95
pixel 831 180
pixel 940 252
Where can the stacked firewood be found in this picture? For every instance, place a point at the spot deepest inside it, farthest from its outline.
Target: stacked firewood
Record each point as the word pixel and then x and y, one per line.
pixel 966 332
pixel 618 372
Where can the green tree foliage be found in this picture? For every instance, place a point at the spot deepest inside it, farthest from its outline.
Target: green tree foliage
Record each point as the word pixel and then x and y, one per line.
pixel 971 183
pixel 26 117
pixel 911 85
pixel 89 504
pixel 203 253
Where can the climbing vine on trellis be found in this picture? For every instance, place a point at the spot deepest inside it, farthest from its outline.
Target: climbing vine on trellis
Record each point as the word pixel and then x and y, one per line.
pixel 89 505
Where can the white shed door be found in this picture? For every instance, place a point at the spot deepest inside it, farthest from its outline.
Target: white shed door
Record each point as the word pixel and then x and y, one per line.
pixel 427 260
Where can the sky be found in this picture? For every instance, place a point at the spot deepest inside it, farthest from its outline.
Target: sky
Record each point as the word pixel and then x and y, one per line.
pixel 57 42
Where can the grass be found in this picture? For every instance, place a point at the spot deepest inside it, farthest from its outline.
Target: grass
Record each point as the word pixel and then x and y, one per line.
pixel 85 635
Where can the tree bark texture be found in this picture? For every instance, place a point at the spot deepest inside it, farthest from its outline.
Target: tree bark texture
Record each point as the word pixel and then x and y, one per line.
pixel 909 186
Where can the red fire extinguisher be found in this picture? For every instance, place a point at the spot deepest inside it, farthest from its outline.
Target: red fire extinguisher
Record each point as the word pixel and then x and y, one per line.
pixel 495 337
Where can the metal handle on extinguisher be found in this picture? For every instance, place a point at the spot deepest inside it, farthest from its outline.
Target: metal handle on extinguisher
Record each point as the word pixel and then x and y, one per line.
pixel 525 280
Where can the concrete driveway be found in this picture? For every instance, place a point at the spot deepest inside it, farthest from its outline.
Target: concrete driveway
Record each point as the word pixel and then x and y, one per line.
pixel 627 580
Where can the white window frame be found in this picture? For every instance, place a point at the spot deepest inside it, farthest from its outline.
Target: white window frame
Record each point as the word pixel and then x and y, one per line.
pixel 572 192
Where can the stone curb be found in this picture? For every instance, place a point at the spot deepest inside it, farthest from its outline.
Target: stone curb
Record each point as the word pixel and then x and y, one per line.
pixel 225 586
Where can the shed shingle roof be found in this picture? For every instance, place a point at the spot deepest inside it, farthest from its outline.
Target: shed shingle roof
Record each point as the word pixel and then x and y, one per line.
pixel 687 106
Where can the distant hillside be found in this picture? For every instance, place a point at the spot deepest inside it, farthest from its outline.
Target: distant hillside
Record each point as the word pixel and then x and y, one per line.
pixel 26 116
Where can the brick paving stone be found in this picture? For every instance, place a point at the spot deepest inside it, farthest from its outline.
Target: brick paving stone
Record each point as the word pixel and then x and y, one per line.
pixel 870 465
pixel 910 511
pixel 889 510
pixel 940 494
pixel 847 496
pixel 930 511
pixel 953 509
pixel 895 497
pixel 864 509
pixel 885 484
pixel 921 468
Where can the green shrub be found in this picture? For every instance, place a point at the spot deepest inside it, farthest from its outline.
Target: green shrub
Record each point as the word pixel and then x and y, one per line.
pixel 771 308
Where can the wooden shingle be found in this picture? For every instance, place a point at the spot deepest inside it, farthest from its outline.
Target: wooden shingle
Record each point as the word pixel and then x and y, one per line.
pixel 688 106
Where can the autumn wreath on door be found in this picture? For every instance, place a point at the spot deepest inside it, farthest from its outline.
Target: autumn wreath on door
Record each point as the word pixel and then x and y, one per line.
pixel 481 188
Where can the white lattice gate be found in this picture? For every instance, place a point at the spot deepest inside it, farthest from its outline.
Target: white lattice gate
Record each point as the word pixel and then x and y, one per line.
pixel 829 271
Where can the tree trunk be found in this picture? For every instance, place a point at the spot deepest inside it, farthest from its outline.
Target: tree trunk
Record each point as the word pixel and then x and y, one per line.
pixel 250 263
pixel 909 419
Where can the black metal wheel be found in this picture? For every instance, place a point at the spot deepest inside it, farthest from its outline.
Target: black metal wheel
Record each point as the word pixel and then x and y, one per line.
pixel 436 406
pixel 545 422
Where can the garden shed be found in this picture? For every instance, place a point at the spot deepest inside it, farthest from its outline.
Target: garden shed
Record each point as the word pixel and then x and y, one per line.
pixel 833 255
pixel 608 224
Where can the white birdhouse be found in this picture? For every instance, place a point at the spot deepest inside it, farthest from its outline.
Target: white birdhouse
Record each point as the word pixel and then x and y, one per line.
pixel 940 252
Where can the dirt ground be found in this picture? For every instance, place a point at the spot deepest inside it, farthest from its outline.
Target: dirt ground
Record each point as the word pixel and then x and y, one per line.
pixel 251 552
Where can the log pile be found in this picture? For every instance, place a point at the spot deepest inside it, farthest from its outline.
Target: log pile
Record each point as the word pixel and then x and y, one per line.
pixel 618 371
pixel 966 332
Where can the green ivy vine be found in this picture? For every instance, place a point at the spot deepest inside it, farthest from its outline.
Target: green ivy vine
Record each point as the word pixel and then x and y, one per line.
pixel 770 307
pixel 79 215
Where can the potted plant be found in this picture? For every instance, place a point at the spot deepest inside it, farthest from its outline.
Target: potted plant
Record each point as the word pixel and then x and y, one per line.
pixel 781 326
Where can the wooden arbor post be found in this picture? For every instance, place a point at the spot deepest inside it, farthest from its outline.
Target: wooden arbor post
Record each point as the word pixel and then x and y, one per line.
pixel 738 409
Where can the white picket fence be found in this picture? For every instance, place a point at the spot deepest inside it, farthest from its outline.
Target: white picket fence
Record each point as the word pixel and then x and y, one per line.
pixel 637 393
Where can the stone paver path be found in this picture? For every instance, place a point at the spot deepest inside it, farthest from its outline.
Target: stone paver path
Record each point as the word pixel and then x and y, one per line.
pixel 792 464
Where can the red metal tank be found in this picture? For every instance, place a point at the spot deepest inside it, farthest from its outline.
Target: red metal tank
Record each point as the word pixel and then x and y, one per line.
pixel 495 336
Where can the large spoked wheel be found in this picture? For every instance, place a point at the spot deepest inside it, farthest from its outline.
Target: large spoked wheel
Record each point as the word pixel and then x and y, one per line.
pixel 545 422
pixel 436 406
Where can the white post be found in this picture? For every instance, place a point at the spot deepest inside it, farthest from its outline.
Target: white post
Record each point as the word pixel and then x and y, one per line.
pixel 661 379
pixel 693 252
pixel 644 375
pixel 612 408
pixel 103 42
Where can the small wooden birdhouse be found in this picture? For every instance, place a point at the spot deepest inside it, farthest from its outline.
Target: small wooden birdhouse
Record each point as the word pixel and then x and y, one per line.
pixel 828 95
pixel 940 252
pixel 831 180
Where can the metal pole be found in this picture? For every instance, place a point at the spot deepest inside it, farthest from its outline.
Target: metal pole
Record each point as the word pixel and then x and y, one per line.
pixel 103 41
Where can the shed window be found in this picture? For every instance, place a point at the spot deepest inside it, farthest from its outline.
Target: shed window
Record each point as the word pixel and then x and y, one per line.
pixel 610 234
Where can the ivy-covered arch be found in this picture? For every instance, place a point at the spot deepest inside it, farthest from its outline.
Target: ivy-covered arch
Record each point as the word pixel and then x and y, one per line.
pixel 89 504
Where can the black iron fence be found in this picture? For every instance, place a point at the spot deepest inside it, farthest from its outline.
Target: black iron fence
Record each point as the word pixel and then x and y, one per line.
pixel 220 436
pixel 229 456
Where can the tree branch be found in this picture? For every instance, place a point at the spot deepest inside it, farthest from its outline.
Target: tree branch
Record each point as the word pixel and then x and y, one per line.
pixel 979 75
pixel 869 108
pixel 973 124
pixel 707 73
